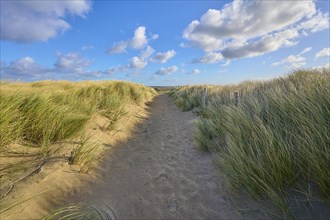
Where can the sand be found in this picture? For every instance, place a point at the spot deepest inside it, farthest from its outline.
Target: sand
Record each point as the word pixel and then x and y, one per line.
pixel 159 174
pixel 155 173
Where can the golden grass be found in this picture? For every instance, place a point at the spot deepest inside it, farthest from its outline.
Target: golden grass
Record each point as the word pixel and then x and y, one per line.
pixel 41 114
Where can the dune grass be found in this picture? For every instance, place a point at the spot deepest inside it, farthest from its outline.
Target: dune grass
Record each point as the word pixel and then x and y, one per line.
pixel 276 139
pixel 42 113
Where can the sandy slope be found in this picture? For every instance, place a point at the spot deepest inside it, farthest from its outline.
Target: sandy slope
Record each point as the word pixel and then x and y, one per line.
pixel 156 174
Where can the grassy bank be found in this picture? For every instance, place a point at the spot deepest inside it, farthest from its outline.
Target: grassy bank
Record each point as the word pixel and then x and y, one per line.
pixel 276 140
pixel 37 118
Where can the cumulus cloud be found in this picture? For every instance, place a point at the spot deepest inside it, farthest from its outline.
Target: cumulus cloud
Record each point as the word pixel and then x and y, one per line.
pixel 115 69
pixel 30 21
pixel 25 66
pixel 119 47
pixel 325 52
pixel 139 39
pixel 155 36
pixel 166 70
pixel 247 29
pixel 71 62
pixel 294 61
pixel 184 45
pixel 147 53
pixel 72 65
pixel 210 57
pixel 316 23
pixel 142 60
pixel 137 63
pixel 137 42
pixel 194 72
pixel 268 43
pixel 163 57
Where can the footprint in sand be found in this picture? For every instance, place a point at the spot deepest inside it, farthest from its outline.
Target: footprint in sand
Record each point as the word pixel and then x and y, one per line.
pixel 149 186
pixel 162 176
pixel 172 204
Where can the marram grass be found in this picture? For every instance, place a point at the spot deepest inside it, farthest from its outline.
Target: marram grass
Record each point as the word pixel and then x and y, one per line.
pixel 276 138
pixel 43 113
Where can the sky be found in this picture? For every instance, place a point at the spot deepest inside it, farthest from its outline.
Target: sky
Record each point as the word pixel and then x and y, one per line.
pixel 161 42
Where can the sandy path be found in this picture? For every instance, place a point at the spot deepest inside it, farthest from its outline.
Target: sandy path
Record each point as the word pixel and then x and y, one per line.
pixel 159 174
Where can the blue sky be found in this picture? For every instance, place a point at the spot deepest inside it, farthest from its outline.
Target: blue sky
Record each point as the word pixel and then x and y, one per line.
pixel 162 42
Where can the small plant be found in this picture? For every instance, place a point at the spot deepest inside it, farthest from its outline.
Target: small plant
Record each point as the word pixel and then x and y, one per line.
pixel 75 211
pixel 82 211
pixel 85 154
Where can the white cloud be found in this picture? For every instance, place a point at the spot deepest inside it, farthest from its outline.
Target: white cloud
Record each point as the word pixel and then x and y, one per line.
pixel 184 45
pixel 316 23
pixel 210 57
pixel 137 42
pixel 155 36
pixel 139 39
pixel 71 62
pixel 227 63
pixel 30 21
pixel 147 52
pixel 166 71
pixel 163 57
pixel 87 47
pixel 306 50
pixel 266 44
pixel 253 28
pixel 25 66
pixel 115 69
pixel 294 61
pixel 119 47
pixel 195 72
pixel 142 60
pixel 137 63
pixel 325 52
pixel 72 65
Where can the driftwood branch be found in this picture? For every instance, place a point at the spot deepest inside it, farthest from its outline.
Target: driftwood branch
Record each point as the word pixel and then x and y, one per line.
pixel 34 171
pixel 11 186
